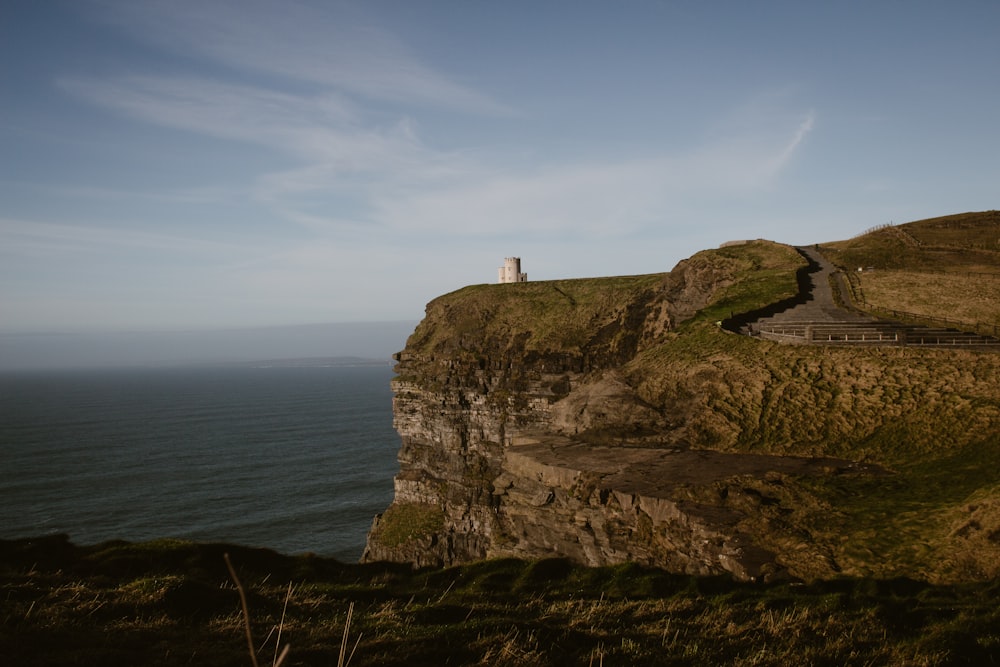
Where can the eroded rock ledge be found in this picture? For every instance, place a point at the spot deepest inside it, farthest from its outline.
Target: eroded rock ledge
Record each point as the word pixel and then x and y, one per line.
pixel 522 434
pixel 610 504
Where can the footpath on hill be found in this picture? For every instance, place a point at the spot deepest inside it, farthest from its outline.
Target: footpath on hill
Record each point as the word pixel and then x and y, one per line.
pixel 822 306
pixel 819 303
pixel 819 318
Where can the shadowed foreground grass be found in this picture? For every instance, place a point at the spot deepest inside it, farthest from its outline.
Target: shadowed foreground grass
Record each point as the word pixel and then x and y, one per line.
pixel 173 603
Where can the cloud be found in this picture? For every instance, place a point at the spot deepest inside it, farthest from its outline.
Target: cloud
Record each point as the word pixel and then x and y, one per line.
pixel 596 199
pixel 364 168
pixel 292 123
pixel 387 177
pixel 328 133
pixel 335 47
pixel 804 128
pixel 763 121
pixel 24 239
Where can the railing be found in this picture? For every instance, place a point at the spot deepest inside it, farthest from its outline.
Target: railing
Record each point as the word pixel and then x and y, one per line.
pixel 830 333
pixel 874 229
pixel 866 334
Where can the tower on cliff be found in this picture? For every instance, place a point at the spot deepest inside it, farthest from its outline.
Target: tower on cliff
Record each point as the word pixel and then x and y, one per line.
pixel 510 272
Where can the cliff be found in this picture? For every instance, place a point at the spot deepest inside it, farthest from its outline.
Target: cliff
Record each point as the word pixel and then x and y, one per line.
pixel 611 420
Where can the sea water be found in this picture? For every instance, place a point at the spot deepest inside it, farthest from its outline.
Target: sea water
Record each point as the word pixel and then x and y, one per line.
pixel 296 459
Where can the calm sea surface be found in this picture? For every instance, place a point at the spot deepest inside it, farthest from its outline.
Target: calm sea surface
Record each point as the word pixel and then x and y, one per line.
pixel 293 459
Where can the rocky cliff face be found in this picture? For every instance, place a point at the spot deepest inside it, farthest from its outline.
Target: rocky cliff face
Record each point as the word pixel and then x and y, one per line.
pixel 492 368
pixel 464 393
pixel 570 418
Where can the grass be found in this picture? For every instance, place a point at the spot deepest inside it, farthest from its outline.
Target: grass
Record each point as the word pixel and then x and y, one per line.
pixel 921 414
pixel 935 518
pixel 946 267
pixel 404 522
pixel 967 297
pixel 967 242
pixel 571 317
pixel 930 418
pixel 61 604
pixel 761 273
pixel 555 314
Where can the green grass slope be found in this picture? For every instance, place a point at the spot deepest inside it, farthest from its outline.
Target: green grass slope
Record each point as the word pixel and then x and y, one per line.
pixel 945 269
pixel 599 322
pixel 929 417
pixel 173 603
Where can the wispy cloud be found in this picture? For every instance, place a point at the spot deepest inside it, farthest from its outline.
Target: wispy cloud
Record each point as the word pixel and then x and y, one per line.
pixel 20 238
pixel 368 165
pixel 333 46
pixel 801 132
pixel 387 176
pixel 597 199
pixel 762 123
pixel 292 123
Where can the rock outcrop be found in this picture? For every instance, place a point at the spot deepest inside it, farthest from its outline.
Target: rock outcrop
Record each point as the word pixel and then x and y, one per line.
pixel 573 419
pixel 523 438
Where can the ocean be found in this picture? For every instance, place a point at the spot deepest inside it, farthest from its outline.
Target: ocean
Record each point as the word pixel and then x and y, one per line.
pixel 291 458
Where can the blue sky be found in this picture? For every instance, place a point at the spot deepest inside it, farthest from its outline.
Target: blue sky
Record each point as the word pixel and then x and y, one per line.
pixel 172 165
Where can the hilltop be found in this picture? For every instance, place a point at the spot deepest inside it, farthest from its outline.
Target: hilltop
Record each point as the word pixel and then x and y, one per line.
pixel 529 412
pixel 944 269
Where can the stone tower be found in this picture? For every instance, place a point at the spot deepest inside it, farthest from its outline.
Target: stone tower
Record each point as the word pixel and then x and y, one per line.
pixel 510 272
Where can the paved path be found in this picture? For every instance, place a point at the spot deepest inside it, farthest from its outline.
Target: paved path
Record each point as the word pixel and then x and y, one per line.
pixel 820 305
pixel 820 320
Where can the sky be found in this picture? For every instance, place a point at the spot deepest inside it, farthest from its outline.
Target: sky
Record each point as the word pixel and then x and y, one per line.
pixel 205 165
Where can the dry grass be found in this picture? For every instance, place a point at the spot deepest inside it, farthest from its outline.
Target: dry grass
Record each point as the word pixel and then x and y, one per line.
pixel 923 414
pixel 962 243
pixel 931 417
pixel 940 268
pixel 973 298
pixel 488 613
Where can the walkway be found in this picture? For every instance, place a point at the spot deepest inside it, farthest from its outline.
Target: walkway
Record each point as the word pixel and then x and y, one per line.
pixel 819 320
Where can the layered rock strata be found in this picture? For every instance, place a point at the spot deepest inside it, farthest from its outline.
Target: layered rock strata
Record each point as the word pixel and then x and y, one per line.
pixel 529 442
pixel 613 420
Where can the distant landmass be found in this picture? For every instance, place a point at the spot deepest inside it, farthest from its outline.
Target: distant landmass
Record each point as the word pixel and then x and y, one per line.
pixel 344 342
pixel 306 362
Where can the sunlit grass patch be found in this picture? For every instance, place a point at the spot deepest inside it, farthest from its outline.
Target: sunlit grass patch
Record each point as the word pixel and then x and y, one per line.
pixel 404 522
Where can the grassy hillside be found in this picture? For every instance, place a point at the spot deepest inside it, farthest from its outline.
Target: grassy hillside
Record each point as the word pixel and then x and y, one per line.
pixel 954 243
pixel 946 268
pixel 544 315
pixel 170 603
pixel 931 418
pixel 567 315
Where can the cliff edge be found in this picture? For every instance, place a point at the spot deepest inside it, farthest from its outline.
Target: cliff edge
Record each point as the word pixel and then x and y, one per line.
pixel 613 419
